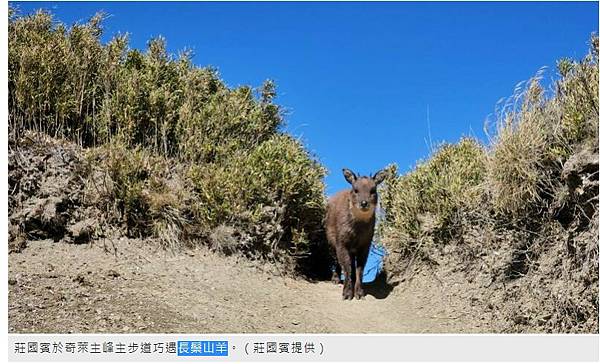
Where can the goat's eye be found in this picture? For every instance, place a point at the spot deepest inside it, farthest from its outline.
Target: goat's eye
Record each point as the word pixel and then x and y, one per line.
pixel 355 190
pixel 373 191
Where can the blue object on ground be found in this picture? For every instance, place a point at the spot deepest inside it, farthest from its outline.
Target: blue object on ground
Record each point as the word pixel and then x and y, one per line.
pixel 374 264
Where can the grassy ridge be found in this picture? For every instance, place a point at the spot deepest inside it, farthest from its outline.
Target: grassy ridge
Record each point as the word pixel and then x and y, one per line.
pixel 172 152
pixel 517 176
pixel 514 203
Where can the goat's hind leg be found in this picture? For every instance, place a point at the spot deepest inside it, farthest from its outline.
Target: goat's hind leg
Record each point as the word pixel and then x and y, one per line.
pixel 336 277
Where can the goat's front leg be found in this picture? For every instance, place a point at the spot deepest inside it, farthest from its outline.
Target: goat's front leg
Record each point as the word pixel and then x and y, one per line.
pixel 345 261
pixel 361 261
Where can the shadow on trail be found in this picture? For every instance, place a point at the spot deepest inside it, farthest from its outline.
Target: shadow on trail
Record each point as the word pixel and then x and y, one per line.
pixel 380 288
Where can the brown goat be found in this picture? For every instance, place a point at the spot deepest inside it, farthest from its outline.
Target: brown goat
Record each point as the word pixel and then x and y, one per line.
pixel 350 224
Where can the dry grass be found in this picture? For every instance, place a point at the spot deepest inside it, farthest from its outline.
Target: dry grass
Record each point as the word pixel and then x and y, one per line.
pixel 535 138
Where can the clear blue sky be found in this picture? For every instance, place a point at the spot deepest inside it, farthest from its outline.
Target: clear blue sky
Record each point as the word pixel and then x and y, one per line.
pixel 357 78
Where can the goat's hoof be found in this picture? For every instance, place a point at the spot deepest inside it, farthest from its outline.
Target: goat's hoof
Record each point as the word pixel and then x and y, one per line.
pixel 336 280
pixel 348 294
pixel 359 294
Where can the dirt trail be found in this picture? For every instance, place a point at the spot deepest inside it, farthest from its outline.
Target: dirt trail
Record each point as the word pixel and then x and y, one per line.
pixel 58 287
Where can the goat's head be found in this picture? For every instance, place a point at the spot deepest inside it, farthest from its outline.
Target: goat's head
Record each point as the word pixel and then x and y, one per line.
pixel 363 196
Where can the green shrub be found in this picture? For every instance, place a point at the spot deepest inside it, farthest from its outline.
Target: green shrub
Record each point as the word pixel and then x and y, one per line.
pixel 276 187
pixel 140 191
pixel 427 199
pixel 271 198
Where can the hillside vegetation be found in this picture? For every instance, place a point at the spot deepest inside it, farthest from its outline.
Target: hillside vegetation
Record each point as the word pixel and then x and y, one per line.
pixel 521 213
pixel 169 151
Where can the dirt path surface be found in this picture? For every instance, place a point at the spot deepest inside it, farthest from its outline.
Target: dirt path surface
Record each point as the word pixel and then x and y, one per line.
pixel 58 287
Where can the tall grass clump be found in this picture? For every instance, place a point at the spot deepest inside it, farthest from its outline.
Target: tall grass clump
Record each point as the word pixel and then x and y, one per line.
pixel 54 74
pixel 173 153
pixel 537 134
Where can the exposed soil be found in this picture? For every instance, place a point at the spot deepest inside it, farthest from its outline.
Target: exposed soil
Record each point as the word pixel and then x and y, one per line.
pixel 66 288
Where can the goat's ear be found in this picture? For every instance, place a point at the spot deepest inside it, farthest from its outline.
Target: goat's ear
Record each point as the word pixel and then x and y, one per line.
pixel 380 176
pixel 350 176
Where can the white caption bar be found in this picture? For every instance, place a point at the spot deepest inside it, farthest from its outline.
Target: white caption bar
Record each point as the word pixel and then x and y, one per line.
pixel 304 347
